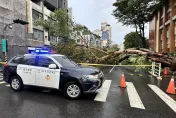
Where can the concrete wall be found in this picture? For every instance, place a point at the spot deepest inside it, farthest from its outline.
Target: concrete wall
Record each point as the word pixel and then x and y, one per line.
pixel 10 10
pixel 53 2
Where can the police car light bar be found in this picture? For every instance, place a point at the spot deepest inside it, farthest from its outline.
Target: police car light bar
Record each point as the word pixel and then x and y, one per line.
pixel 43 51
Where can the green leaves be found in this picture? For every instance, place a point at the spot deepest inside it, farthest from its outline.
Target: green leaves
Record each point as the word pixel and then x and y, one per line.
pixel 133 40
pixel 136 13
pixel 57 24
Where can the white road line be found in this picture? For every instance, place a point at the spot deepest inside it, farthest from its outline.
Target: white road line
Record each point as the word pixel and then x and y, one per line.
pixel 8 85
pixel 134 98
pixel 111 69
pixel 102 94
pixel 168 100
pixel 1 79
pixel 2 82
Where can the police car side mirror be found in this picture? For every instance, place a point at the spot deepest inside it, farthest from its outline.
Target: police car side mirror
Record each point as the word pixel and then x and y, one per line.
pixel 52 66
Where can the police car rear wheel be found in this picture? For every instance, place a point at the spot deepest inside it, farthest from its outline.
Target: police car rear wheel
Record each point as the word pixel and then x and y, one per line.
pixel 16 83
pixel 72 90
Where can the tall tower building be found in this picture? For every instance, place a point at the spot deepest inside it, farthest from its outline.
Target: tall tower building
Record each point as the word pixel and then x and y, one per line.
pixel 106 34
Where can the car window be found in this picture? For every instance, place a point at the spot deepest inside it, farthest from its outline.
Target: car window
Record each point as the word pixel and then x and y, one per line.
pixel 17 60
pixel 44 61
pixel 29 60
pixel 65 62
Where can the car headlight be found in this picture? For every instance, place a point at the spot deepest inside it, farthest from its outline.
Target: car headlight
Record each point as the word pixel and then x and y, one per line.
pixel 91 76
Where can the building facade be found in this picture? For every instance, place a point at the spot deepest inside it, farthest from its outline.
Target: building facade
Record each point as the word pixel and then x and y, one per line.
pixel 162 29
pixel 10 10
pixel 106 34
pixel 21 38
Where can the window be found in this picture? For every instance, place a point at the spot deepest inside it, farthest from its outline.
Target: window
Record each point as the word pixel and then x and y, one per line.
pixel 17 60
pixel 44 61
pixel 29 60
pixel 38 34
pixel 36 15
pixel 65 62
pixel 53 39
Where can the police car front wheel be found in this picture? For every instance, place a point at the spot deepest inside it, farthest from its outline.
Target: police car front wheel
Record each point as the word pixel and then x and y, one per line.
pixel 72 90
pixel 16 83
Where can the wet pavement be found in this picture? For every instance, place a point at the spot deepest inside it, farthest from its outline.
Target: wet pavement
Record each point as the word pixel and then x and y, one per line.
pixel 35 103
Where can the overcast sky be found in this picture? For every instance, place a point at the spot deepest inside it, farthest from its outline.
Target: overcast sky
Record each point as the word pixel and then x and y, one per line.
pixel 92 12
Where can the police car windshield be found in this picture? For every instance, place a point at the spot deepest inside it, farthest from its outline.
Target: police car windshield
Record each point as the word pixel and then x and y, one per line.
pixel 65 62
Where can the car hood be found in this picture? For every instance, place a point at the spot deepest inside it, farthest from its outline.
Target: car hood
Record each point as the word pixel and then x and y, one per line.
pixel 85 70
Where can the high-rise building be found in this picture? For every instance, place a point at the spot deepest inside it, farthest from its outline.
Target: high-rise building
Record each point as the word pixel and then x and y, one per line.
pixel 106 34
pixel 98 40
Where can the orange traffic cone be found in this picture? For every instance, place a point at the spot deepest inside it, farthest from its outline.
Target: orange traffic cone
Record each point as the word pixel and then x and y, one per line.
pixel 122 82
pixel 165 71
pixel 171 87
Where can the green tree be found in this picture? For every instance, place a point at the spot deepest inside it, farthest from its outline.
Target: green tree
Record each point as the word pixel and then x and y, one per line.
pixel 113 48
pixel 136 13
pixel 57 24
pixel 132 40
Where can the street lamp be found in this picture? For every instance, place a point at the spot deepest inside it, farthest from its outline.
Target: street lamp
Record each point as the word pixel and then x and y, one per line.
pixel 4 40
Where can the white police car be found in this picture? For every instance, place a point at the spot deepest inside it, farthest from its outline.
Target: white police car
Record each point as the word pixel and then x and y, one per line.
pixel 53 71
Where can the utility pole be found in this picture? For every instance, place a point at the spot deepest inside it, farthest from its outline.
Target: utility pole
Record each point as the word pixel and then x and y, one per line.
pixel 4 40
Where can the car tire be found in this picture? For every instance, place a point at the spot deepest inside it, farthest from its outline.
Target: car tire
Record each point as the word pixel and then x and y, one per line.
pixel 72 90
pixel 16 83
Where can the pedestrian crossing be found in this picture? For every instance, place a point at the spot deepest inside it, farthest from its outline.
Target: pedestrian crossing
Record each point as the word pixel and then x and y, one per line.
pixel 2 82
pixel 168 100
pixel 134 98
pixel 102 94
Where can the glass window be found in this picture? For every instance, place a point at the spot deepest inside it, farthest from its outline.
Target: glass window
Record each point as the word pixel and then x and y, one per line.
pixel 65 62
pixel 36 15
pixel 29 60
pixel 38 34
pixel 44 61
pixel 17 60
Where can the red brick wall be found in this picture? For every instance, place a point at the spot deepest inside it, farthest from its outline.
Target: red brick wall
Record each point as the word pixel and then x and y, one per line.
pixel 151 34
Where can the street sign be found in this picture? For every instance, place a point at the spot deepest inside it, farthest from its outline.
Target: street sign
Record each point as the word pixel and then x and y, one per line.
pixel 4 46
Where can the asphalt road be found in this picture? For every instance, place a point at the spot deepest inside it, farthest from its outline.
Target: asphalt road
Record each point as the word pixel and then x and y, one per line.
pixel 36 103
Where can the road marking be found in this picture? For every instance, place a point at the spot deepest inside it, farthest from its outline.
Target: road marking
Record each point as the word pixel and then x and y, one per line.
pixel 1 79
pixel 134 98
pixel 102 94
pixel 2 82
pixel 8 85
pixel 111 69
pixel 168 100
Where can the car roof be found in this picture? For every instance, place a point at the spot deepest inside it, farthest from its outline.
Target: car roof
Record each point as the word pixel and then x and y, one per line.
pixel 43 55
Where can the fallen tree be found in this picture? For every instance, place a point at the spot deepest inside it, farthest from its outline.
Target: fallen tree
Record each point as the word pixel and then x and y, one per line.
pixel 163 58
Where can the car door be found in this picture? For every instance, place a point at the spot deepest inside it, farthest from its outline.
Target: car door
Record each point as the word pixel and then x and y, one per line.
pixel 26 70
pixel 44 76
